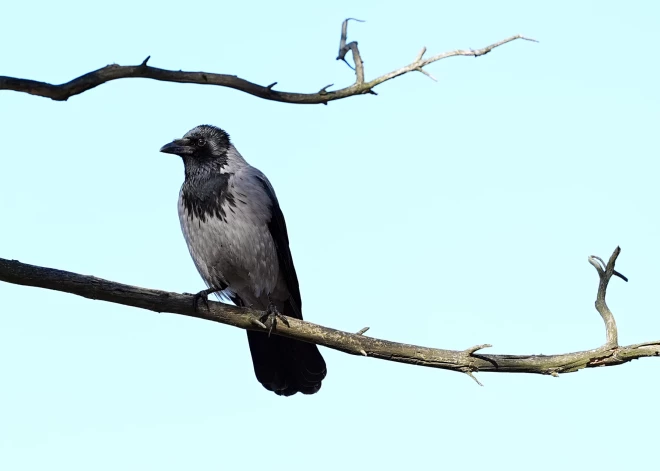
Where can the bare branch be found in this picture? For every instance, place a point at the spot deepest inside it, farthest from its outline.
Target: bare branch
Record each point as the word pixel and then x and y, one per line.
pixel 111 72
pixel 464 361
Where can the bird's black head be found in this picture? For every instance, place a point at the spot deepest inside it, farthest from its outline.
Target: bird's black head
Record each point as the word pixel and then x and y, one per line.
pixel 201 144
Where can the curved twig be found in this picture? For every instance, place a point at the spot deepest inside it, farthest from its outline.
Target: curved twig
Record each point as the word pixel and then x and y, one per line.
pixel 353 47
pixel 465 361
pixel 111 72
pixel 605 273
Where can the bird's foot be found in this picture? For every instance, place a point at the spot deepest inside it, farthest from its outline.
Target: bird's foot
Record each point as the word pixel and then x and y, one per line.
pixel 271 317
pixel 203 296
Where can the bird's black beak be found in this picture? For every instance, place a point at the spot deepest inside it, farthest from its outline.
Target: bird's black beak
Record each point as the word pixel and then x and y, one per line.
pixel 178 147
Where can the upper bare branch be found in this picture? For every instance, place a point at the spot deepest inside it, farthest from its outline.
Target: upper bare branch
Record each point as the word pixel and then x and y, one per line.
pixel 466 361
pixel 111 72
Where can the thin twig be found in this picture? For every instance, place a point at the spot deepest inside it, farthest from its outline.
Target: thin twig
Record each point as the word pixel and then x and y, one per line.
pixel 259 324
pixel 427 74
pixel 469 373
pixel 605 273
pixel 472 350
pixel 353 47
pixel 343 47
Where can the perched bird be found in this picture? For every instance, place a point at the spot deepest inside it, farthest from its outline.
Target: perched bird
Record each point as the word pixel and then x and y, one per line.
pixel 237 237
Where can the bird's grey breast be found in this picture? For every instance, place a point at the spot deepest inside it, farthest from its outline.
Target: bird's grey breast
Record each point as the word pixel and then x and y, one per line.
pixel 224 219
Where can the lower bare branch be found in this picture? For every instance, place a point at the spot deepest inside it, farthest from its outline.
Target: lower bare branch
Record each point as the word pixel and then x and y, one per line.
pixel 465 361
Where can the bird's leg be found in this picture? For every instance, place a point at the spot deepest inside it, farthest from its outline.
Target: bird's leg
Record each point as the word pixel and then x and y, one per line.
pixel 204 296
pixel 272 315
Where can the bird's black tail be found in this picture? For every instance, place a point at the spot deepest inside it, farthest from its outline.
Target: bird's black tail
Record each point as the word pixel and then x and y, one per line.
pixel 286 366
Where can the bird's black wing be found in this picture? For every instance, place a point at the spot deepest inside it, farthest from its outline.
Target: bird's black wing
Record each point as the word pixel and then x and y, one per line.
pixel 283 365
pixel 277 228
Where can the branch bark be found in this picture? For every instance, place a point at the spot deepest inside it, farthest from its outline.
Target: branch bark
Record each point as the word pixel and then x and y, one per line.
pixel 466 361
pixel 63 92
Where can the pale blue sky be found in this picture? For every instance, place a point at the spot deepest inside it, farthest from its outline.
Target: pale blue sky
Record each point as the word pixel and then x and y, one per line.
pixel 443 214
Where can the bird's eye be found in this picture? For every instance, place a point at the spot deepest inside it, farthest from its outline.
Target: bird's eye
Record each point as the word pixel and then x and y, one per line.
pixel 201 142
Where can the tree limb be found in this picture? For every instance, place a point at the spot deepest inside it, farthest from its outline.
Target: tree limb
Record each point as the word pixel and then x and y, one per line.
pixel 111 72
pixel 466 361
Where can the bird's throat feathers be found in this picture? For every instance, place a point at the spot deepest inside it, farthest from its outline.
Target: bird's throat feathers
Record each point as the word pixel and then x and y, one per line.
pixel 207 197
pixel 205 191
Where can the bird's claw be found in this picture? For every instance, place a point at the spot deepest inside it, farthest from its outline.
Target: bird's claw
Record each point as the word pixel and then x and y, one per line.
pixel 271 317
pixel 203 296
